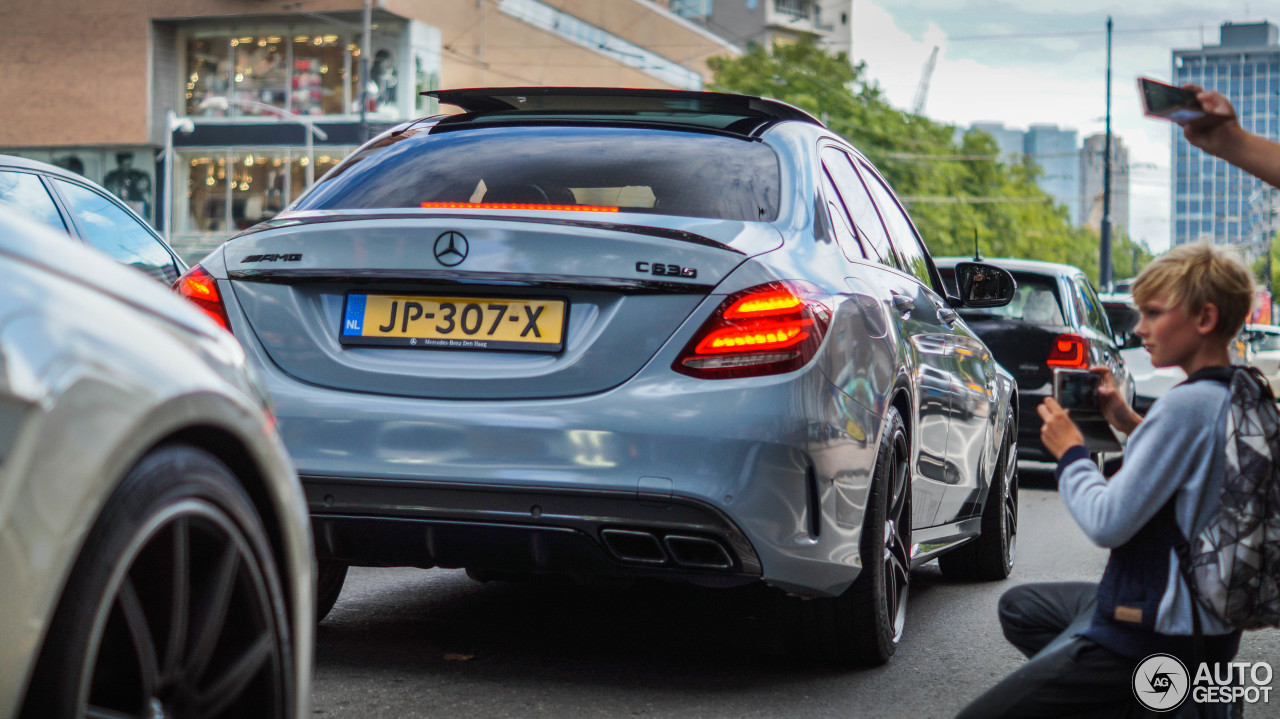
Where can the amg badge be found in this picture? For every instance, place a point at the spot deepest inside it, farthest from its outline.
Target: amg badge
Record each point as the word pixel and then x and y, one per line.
pixel 294 257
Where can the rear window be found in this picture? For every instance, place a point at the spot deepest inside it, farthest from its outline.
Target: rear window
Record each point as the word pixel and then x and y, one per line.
pixel 636 170
pixel 1035 301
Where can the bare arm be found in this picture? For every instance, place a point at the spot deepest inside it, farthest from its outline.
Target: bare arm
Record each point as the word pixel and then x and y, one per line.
pixel 1219 133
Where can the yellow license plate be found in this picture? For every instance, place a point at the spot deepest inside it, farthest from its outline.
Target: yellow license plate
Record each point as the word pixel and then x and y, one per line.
pixel 462 323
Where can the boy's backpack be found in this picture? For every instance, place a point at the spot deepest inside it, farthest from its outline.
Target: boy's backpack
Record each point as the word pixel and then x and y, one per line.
pixel 1233 564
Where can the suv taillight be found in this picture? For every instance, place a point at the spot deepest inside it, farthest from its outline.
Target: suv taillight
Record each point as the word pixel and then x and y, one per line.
pixel 1069 350
pixel 768 329
pixel 201 288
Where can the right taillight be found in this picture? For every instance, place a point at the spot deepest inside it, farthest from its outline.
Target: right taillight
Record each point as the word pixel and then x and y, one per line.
pixel 768 329
pixel 201 288
pixel 1069 350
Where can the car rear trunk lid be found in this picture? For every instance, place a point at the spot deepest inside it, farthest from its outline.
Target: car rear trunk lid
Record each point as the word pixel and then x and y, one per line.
pixel 613 292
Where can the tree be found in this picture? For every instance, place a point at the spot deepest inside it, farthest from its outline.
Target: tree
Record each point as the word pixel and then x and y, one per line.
pixel 956 193
pixel 1260 266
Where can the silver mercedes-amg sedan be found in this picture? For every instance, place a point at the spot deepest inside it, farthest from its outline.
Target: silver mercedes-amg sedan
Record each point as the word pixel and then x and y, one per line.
pixel 155 555
pixel 629 333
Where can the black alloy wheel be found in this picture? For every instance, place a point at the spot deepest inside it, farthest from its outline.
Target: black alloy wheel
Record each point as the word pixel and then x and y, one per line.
pixel 174 607
pixel 864 625
pixel 992 554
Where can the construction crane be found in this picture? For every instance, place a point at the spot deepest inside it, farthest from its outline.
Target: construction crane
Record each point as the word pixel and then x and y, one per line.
pixel 922 90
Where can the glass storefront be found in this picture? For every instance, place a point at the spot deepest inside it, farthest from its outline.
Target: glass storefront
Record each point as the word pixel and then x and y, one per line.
pixel 305 69
pixel 230 189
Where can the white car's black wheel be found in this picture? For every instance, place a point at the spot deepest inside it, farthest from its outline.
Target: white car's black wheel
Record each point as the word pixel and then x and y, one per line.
pixel 330 575
pixel 174 607
pixel 865 623
pixel 991 555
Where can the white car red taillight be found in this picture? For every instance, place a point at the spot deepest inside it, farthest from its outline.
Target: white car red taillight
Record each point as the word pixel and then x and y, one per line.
pixel 768 329
pixel 201 288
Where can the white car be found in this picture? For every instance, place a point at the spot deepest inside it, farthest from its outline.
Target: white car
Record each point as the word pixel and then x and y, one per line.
pixel 155 555
pixel 1264 340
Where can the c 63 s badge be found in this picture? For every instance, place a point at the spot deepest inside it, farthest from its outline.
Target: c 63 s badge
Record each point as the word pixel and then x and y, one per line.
pixel 293 257
pixel 666 270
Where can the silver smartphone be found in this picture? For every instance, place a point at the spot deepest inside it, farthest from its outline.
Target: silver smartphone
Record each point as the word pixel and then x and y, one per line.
pixel 1168 102
pixel 1077 389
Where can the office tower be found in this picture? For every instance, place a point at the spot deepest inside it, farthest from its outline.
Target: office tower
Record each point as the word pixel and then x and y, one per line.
pixel 1089 209
pixel 1211 199
pixel 1054 149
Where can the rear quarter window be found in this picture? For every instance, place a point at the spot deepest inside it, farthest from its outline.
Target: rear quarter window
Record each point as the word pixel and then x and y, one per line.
pixel 636 170
pixel 1036 300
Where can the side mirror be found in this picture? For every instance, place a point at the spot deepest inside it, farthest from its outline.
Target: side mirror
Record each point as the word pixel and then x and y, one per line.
pixel 983 285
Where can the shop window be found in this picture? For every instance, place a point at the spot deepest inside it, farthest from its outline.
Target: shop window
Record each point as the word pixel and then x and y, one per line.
pixel 208 71
pixel 228 191
pixel 207 193
pixel 322 80
pixel 261 73
pixel 300 69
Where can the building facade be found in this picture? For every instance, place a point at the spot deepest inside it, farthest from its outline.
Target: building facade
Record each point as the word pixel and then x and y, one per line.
pixel 1008 139
pixel 1092 171
pixel 258 97
pixel 1213 200
pixel 763 22
pixel 1057 151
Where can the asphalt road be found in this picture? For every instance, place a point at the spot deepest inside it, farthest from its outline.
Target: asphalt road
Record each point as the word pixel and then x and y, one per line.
pixel 434 643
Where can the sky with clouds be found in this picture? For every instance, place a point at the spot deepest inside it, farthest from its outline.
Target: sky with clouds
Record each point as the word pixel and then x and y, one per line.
pixel 1045 62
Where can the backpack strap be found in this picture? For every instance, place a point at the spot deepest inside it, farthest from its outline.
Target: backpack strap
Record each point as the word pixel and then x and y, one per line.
pixel 1214 374
pixel 1226 374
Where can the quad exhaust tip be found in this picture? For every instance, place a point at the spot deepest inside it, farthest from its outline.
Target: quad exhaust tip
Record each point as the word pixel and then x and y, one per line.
pixel 642 547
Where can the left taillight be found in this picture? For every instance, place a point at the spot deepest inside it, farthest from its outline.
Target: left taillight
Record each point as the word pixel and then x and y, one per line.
pixel 768 329
pixel 201 288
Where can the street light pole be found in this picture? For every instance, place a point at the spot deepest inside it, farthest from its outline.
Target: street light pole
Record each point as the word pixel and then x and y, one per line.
pixel 366 39
pixel 1104 261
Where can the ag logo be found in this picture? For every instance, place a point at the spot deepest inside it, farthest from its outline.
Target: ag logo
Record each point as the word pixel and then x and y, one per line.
pixel 451 249
pixel 1161 683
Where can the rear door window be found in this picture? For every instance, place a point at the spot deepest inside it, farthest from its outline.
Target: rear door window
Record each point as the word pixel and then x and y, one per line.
pixel 1093 313
pixel 906 243
pixel 26 192
pixel 110 228
pixel 670 172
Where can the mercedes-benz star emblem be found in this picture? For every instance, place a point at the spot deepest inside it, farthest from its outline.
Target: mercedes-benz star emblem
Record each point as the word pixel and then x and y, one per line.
pixel 451 249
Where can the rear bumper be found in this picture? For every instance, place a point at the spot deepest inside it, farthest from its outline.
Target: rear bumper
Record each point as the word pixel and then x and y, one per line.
pixel 508 529
pixel 774 471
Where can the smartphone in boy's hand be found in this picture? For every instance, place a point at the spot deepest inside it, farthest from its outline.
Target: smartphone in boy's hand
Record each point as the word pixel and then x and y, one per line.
pixel 1167 102
pixel 1077 390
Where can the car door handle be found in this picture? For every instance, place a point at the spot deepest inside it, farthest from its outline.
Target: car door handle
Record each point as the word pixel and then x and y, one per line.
pixel 903 304
pixel 946 315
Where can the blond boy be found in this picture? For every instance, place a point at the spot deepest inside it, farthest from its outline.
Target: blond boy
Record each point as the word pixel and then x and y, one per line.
pixel 1085 640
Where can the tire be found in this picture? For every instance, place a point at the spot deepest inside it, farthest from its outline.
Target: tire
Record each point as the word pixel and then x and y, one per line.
pixel 864 625
pixel 991 555
pixel 330 574
pixel 174 607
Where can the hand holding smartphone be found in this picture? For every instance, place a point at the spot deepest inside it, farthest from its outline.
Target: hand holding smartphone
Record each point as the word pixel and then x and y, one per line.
pixel 1077 390
pixel 1167 102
